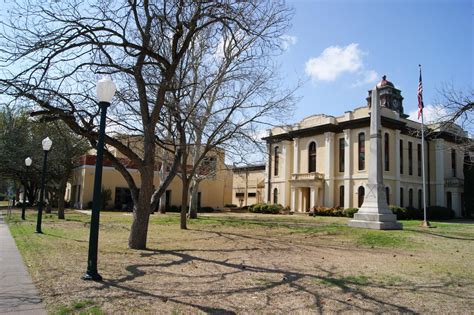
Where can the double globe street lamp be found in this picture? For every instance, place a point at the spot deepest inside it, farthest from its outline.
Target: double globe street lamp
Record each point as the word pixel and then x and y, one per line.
pixel 46 143
pixel 28 162
pixel 105 92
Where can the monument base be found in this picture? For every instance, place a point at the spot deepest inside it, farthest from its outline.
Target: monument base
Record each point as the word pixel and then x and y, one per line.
pixel 376 221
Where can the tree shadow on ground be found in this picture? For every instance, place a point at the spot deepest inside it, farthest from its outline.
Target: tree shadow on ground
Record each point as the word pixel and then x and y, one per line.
pixel 291 281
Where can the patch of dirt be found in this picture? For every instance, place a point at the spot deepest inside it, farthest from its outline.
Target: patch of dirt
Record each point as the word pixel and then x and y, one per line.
pixel 253 269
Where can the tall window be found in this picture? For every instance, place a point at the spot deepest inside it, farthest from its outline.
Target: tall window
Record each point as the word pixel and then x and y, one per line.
pixel 342 146
pixel 341 196
pixel 386 153
pixel 361 151
pixel 410 197
pixel 420 199
pixel 410 158
pixel 312 157
pixel 275 196
pixel 401 156
pixel 453 162
pixel 419 158
pixel 387 194
pixel 361 193
pixel 401 196
pixel 449 200
pixel 277 162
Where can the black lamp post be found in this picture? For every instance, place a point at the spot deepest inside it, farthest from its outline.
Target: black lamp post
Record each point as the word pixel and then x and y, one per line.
pixel 105 91
pixel 46 143
pixel 28 162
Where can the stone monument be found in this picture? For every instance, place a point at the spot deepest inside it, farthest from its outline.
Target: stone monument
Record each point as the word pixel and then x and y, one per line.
pixel 374 213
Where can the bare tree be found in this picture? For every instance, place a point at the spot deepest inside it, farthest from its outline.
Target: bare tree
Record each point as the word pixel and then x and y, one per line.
pixel 228 87
pixel 53 51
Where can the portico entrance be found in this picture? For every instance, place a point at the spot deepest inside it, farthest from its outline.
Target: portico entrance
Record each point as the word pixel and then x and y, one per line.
pixel 306 191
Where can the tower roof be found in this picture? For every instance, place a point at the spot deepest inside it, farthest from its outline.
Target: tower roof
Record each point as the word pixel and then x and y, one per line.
pixel 385 82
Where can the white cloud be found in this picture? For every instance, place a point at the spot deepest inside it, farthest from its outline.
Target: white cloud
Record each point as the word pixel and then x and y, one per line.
pixel 287 41
pixel 366 77
pixel 431 114
pixel 334 61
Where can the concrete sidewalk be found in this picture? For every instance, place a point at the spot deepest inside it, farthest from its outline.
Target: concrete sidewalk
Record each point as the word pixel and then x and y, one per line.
pixel 18 294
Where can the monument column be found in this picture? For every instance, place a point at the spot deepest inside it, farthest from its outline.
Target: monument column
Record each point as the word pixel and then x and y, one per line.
pixel 374 213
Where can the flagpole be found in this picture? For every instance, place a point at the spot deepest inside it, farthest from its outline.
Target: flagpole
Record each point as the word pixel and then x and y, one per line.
pixel 425 221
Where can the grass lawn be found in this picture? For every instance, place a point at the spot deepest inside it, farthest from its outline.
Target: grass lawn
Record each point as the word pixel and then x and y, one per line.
pixel 242 263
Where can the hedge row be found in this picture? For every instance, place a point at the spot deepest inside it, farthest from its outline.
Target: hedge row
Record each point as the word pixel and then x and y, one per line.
pixel 334 212
pixel 410 213
pixel 265 208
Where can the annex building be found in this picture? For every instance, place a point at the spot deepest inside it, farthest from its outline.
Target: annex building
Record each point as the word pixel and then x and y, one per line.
pixel 214 190
pixel 322 160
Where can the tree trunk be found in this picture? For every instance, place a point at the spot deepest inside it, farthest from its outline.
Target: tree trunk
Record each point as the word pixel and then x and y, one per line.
pixel 47 196
pixel 194 200
pixel 184 202
pixel 61 204
pixel 141 211
pixel 162 207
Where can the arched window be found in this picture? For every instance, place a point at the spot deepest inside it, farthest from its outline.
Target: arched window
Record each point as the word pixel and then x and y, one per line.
pixel 420 199
pixel 449 200
pixel 342 153
pixel 410 158
pixel 361 151
pixel 401 196
pixel 275 196
pixel 341 196
pixel 312 157
pixel 387 194
pixel 361 193
pixel 277 162
pixel 386 153
pixel 410 198
pixel 418 159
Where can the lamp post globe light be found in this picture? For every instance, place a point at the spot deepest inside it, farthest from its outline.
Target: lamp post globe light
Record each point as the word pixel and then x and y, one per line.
pixel 46 143
pixel 28 162
pixel 105 92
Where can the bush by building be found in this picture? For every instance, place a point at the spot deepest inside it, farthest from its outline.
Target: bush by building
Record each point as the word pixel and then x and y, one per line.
pixel 266 208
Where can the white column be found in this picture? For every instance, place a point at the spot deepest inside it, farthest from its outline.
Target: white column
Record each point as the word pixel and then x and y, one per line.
pixel 347 169
pixel 300 200
pixel 312 196
pixel 293 199
pixel 396 193
pixel 267 170
pixel 329 170
pixel 296 156
pixel 439 172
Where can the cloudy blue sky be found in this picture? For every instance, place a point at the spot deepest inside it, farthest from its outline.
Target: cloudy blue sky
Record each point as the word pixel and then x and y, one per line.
pixel 341 48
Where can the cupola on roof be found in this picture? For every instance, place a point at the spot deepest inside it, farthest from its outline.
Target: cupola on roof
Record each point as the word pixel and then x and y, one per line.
pixel 385 82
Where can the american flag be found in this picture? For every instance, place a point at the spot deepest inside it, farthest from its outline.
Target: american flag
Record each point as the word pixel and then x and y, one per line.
pixel 420 97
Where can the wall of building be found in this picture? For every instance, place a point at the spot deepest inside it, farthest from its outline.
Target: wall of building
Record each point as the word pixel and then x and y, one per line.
pixel 294 159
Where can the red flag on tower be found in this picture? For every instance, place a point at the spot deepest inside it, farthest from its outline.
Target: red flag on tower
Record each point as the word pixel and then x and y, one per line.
pixel 420 97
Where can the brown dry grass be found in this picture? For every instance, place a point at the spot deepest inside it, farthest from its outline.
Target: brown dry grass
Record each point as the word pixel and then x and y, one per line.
pixel 251 264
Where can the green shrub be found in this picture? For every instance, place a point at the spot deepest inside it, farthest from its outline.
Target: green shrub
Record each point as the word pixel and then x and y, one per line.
pixel 266 208
pixel 439 213
pixel 349 212
pixel 206 209
pixel 173 208
pixel 230 205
